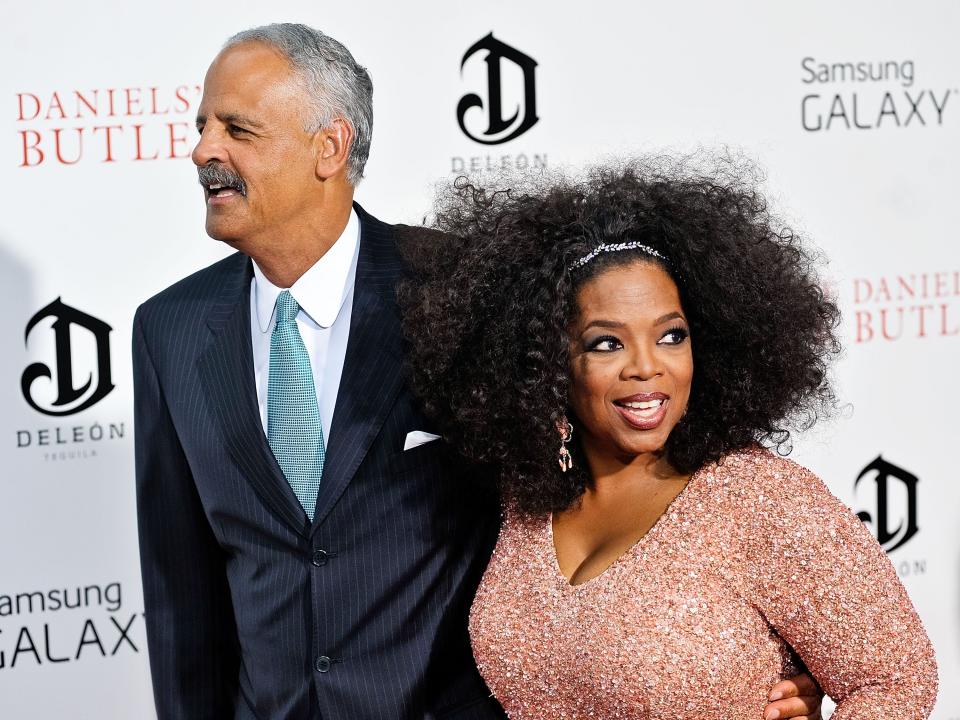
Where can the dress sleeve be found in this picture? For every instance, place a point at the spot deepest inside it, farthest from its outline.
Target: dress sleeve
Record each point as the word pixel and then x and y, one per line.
pixel 829 590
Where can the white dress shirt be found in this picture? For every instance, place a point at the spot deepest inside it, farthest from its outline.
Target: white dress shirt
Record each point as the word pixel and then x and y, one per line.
pixel 325 295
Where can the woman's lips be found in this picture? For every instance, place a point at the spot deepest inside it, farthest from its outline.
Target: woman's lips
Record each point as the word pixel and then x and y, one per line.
pixel 644 411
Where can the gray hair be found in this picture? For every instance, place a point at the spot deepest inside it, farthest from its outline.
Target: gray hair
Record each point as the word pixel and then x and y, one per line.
pixel 337 86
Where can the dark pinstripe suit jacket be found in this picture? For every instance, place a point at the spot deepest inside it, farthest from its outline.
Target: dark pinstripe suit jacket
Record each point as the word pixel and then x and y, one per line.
pixel 252 610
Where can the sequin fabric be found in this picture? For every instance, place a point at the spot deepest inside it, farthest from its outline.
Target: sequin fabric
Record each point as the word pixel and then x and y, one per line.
pixel 754 571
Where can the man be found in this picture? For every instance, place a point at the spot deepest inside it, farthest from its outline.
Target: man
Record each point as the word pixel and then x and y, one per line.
pixel 306 551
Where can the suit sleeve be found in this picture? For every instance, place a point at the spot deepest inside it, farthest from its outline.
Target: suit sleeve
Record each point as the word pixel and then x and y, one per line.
pixel 828 589
pixel 191 632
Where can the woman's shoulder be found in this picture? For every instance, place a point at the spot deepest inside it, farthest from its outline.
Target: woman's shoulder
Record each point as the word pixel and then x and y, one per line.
pixel 773 498
pixel 514 521
pixel 755 468
pixel 758 479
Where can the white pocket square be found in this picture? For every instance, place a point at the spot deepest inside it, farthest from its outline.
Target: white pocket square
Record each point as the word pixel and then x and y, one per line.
pixel 418 437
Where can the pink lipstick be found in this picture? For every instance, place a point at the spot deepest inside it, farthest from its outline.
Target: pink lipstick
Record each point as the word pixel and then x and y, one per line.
pixel 643 411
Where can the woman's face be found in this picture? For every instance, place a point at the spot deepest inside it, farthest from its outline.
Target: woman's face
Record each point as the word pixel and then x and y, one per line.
pixel 631 361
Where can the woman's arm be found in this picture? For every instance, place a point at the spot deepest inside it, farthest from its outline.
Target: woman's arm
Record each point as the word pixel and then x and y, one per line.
pixel 828 589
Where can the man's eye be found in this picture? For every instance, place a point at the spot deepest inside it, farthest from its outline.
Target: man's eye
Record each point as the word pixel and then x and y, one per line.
pixel 234 130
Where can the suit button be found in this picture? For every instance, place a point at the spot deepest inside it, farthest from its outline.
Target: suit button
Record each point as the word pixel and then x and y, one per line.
pixel 319 558
pixel 322 664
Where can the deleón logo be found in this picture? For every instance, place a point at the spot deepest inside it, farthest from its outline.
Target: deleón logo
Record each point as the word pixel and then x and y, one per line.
pixel 894 492
pixel 70 397
pixel 499 129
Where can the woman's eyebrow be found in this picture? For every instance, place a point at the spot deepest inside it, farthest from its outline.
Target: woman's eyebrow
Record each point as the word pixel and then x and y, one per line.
pixel 604 324
pixel 669 316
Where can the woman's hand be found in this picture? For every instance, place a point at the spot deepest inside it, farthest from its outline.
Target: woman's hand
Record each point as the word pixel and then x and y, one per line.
pixel 798 697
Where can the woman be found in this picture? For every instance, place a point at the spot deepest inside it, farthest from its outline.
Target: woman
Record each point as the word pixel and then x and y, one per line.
pixel 618 351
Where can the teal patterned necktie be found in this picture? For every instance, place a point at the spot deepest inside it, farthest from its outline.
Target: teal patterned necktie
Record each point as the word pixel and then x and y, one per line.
pixel 293 419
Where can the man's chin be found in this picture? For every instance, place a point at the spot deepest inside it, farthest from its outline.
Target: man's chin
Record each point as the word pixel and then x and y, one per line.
pixel 224 233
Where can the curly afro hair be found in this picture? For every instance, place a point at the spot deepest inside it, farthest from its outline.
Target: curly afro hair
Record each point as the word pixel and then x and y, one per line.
pixel 491 297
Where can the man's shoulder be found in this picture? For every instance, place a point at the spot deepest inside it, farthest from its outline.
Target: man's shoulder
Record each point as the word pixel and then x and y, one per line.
pixel 426 253
pixel 399 233
pixel 197 290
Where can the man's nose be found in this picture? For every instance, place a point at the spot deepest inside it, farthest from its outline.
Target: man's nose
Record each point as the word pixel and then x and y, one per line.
pixel 209 148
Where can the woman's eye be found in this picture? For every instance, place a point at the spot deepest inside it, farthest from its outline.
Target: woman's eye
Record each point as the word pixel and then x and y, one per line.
pixel 674 336
pixel 604 344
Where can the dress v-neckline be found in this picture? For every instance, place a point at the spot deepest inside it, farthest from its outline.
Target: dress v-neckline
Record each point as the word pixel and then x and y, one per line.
pixel 657 528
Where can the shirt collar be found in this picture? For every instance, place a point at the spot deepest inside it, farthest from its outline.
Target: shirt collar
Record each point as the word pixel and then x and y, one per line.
pixel 320 291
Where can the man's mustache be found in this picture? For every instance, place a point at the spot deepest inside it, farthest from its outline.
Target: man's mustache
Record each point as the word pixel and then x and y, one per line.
pixel 218 174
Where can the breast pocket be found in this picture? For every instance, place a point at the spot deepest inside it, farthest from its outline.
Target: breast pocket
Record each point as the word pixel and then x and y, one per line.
pixel 429 457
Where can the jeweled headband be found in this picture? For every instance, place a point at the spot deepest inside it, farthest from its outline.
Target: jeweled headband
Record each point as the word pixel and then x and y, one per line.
pixel 617 247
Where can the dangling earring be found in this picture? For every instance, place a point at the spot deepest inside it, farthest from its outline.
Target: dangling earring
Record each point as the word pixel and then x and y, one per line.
pixel 566 433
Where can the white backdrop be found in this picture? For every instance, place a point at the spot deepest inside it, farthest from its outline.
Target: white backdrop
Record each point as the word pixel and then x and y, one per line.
pixel 101 209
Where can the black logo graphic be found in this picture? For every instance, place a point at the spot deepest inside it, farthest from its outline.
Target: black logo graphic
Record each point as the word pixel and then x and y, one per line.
pixel 500 129
pixel 70 399
pixel 883 473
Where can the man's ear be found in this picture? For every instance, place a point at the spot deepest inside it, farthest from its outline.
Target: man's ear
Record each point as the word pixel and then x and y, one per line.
pixel 332 148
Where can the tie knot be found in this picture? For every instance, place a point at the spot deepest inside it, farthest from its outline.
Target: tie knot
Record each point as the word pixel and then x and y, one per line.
pixel 287 308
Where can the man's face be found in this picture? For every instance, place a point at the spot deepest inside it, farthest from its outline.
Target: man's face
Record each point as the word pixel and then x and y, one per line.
pixel 256 161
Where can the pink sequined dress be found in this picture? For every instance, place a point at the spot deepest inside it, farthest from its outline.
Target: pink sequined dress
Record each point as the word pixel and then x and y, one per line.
pixel 754 570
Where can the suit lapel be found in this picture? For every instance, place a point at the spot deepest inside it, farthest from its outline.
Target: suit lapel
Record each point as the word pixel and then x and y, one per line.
pixel 226 371
pixel 373 366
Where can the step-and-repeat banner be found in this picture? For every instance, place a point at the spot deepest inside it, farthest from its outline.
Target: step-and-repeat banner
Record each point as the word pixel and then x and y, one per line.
pixel 851 108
